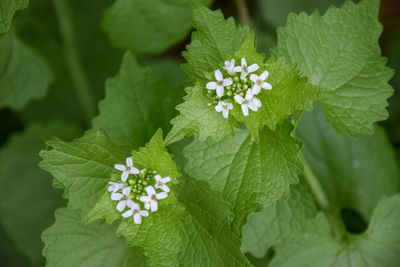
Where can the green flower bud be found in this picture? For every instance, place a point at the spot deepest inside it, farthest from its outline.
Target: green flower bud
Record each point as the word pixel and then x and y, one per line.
pixel 245 86
pixel 236 79
pixel 228 88
pixel 229 93
pixel 245 80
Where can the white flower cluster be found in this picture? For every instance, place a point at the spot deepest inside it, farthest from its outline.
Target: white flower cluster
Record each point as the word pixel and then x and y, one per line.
pixel 138 191
pixel 237 87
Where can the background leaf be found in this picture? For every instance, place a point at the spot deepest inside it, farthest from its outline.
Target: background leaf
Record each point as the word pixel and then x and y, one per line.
pixel 7 10
pixel 27 201
pixel 148 26
pixel 24 75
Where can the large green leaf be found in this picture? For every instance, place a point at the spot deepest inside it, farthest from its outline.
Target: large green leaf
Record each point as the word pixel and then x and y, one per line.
pixel 250 175
pixel 354 172
pixel 7 10
pixel 69 243
pixel 148 26
pixel 137 102
pixel 27 200
pixel 275 224
pixel 340 51
pixel 24 75
pixel 180 232
pixel 315 246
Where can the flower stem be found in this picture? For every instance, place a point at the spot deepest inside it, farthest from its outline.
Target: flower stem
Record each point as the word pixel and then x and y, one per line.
pixel 74 65
pixel 244 16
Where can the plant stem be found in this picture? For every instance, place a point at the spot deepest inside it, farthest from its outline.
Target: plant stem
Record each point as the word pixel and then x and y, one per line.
pixel 74 65
pixel 338 227
pixel 244 16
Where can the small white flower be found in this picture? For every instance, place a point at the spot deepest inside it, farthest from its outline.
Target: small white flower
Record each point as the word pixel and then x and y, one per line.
pixel 259 82
pixel 135 213
pixel 115 187
pixel 230 66
pixel 150 201
pixel 123 198
pixel 248 102
pixel 161 183
pixel 244 69
pixel 219 84
pixel 127 169
pixel 224 107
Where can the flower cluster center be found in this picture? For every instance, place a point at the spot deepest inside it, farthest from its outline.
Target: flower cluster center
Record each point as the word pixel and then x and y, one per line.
pixel 237 85
pixel 138 191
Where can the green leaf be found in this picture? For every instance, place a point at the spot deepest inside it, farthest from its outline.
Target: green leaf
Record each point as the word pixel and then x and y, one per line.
pixel 185 234
pixel 25 190
pixel 7 10
pixel 214 40
pixel 275 224
pixel 24 75
pixel 148 26
pixel 354 172
pixel 69 243
pixel 137 102
pixel 196 116
pixel 378 246
pixel 83 167
pixel 197 235
pixel 250 175
pixel 340 51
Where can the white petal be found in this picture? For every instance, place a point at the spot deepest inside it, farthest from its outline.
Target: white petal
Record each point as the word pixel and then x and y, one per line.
pixel 137 218
pixel 127 213
pixel 218 75
pixel 166 179
pixel 150 190
pixel 237 69
pixel 225 114
pixel 253 78
pixel 134 170
pixel 253 68
pixel 264 75
pixel 145 199
pixel 129 162
pixel 256 89
pixel 227 64
pixel 116 196
pixel 249 95
pixel 165 188
pixel 245 110
pixel 121 205
pixel 120 167
pixel 229 105
pixel 126 191
pixel 144 213
pixel 243 75
pixel 239 99
pixel 147 205
pixel 243 61
pixel 124 176
pixel 228 82
pixel 266 86
pixel 211 85
pixel 252 106
pixel 162 195
pixel 154 205
pixel 131 204
pixel 157 177
pixel 220 90
pixel 135 206
pixel 257 102
pixel 218 108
